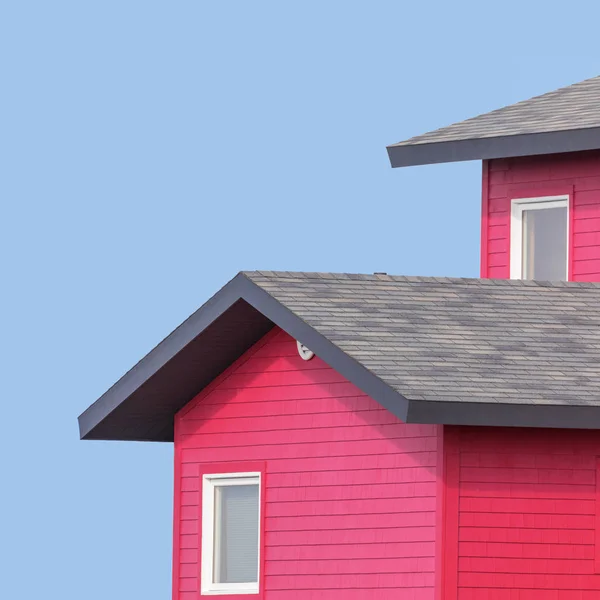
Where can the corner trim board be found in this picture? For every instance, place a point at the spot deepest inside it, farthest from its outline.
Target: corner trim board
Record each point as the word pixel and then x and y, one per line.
pixel 597 520
pixel 451 459
pixel 485 191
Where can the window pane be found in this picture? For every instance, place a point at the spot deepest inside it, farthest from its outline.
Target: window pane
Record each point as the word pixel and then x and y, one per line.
pixel 236 534
pixel 545 244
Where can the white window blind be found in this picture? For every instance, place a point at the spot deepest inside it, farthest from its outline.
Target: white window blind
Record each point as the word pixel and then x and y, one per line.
pixel 236 533
pixel 545 244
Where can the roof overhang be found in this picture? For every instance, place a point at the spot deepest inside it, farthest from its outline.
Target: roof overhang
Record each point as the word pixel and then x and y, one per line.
pixel 141 406
pixel 498 414
pixel 530 144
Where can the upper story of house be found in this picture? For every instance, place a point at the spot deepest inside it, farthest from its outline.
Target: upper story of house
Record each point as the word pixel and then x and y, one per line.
pixel 540 182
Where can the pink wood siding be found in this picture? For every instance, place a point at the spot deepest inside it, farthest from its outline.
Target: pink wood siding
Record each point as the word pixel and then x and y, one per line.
pixel 350 490
pixel 577 174
pixel 528 501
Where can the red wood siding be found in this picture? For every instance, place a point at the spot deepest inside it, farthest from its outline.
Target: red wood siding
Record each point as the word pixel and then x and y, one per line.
pixel 576 173
pixel 350 490
pixel 526 514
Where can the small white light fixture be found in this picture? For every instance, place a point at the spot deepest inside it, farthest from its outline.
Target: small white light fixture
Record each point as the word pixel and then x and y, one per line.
pixel 304 352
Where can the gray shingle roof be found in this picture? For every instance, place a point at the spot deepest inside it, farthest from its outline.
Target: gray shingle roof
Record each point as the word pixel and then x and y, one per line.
pixel 552 115
pixel 576 106
pixel 457 340
pixel 430 350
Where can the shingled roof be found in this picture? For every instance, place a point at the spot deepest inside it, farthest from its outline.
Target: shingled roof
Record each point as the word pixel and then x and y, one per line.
pixel 565 120
pixel 431 350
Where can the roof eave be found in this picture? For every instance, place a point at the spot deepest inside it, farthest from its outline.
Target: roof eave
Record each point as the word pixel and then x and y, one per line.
pixel 109 418
pixel 142 405
pixel 574 140
pixel 150 365
pixel 499 414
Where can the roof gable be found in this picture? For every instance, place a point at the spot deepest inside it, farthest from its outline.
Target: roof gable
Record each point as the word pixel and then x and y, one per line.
pixel 564 120
pixel 142 404
pixel 430 350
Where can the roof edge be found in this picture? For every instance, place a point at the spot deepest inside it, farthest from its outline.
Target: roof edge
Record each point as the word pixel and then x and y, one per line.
pixel 528 144
pixel 159 356
pixel 497 414
pixel 104 420
pixel 239 288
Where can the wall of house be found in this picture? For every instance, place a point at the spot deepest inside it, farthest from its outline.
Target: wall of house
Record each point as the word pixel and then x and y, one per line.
pixel 577 174
pixel 522 506
pixel 350 490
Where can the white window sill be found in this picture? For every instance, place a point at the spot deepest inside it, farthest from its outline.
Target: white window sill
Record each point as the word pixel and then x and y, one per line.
pixel 229 591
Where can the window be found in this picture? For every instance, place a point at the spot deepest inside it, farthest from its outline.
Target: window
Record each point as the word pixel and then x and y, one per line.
pixel 230 560
pixel 539 238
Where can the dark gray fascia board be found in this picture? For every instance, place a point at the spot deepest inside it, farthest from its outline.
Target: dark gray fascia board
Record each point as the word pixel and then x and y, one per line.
pixel 106 412
pixel 499 414
pixel 555 142
pixel 156 359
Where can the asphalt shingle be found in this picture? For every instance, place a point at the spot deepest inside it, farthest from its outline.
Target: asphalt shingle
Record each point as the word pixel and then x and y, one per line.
pixel 569 108
pixel 457 340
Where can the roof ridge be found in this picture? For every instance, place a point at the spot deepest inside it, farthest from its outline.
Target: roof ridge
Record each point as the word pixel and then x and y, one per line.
pixel 321 275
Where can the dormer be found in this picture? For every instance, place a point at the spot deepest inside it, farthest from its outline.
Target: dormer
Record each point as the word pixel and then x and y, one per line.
pixel 540 182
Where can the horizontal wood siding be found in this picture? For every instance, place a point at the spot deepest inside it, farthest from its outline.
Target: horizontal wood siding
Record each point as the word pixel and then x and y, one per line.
pixel 577 173
pixel 527 514
pixel 350 490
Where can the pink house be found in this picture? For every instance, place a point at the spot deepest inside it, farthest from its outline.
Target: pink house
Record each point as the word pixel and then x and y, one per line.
pixel 342 436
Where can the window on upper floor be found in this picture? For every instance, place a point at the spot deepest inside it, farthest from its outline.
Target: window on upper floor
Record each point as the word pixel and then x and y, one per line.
pixel 539 238
pixel 230 533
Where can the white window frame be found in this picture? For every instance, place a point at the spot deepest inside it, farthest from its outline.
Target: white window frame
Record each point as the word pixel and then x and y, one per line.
pixel 209 481
pixel 518 206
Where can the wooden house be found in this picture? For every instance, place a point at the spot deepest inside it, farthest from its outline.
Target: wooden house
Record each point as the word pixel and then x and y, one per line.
pixel 348 437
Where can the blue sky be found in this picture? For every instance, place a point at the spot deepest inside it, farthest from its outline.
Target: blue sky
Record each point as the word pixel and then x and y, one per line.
pixel 149 151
